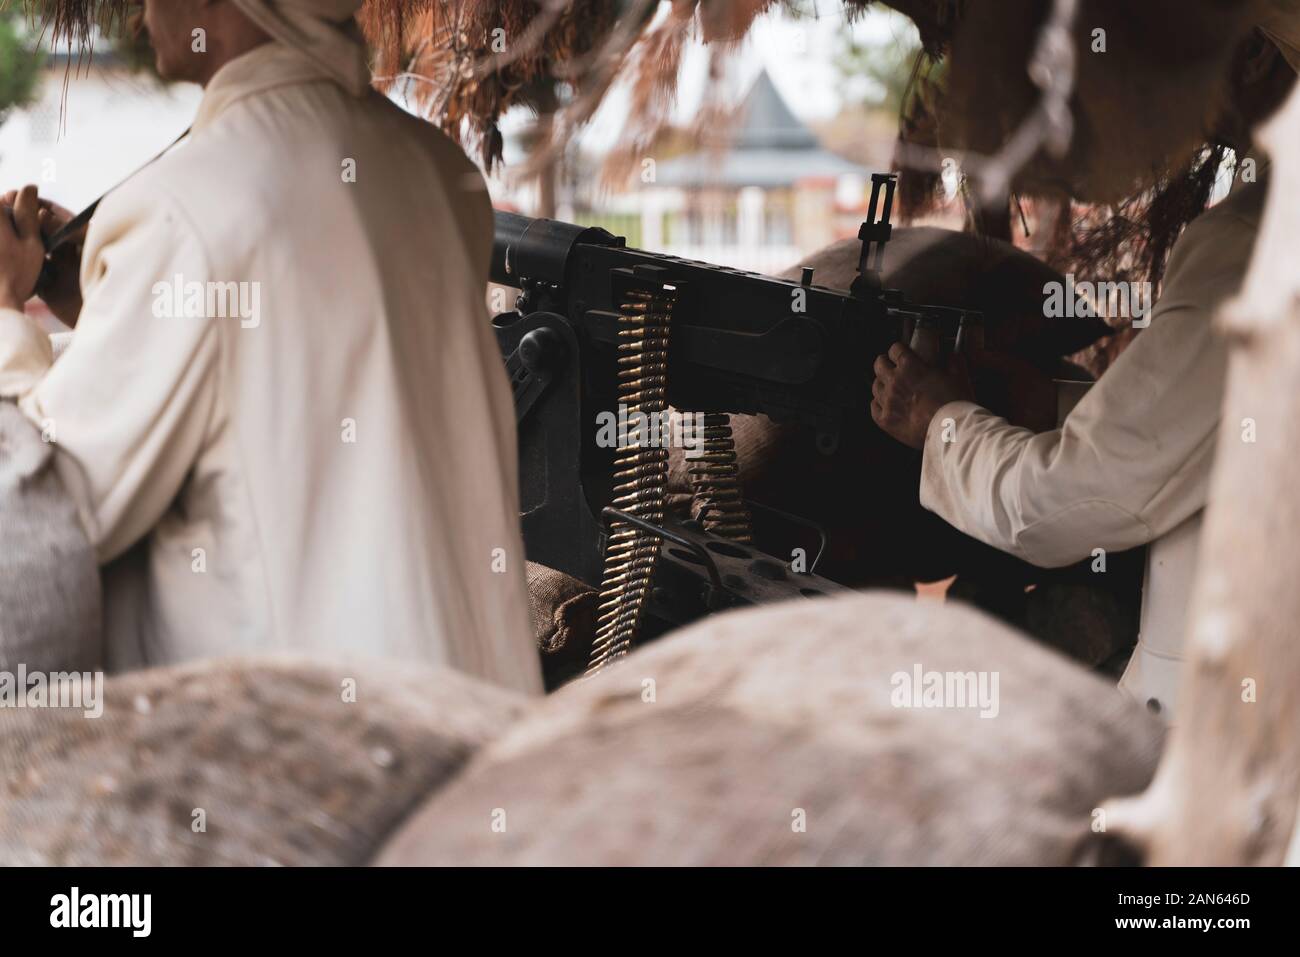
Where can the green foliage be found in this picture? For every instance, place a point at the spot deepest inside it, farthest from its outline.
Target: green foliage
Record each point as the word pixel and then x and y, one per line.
pixel 878 71
pixel 20 62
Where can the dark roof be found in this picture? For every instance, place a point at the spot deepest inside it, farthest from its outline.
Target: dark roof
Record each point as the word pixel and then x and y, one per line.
pixel 768 122
pixel 771 147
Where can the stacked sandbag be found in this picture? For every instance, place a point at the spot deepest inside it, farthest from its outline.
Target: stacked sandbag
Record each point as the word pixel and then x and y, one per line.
pixel 562 608
pixel 50 615
pixel 237 762
pixel 783 735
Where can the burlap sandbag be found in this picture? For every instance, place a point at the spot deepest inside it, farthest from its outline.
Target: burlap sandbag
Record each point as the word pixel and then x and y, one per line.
pixel 768 736
pixel 564 622
pixel 239 762
pixel 563 609
pixel 49 577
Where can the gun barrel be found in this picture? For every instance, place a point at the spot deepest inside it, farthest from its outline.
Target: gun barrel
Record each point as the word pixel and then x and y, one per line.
pixel 524 248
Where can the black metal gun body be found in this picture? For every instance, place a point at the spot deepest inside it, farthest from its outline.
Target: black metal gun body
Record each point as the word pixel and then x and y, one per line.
pixel 740 343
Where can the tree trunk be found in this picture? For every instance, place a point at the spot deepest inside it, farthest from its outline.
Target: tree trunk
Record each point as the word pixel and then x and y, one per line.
pixel 1226 792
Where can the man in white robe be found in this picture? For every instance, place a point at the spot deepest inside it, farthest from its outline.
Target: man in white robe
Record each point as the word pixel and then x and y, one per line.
pixel 282 415
pixel 1131 462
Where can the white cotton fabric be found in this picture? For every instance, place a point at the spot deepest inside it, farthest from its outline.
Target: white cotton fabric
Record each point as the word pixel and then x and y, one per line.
pixel 339 477
pixel 1131 463
pixel 322 30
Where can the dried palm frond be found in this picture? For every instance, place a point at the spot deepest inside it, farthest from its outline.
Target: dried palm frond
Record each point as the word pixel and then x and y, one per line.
pixel 74 20
pixel 465 63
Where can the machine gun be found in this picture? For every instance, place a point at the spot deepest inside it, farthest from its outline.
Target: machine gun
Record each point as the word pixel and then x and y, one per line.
pixel 604 335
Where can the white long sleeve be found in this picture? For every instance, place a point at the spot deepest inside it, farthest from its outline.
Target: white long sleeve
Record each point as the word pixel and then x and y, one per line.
pixel 128 403
pixel 1132 460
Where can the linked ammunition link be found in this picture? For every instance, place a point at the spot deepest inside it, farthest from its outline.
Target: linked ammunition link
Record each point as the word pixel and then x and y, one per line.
pixel 717 499
pixel 640 474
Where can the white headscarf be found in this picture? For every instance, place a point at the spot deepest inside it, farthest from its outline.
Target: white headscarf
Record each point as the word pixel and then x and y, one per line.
pixel 322 29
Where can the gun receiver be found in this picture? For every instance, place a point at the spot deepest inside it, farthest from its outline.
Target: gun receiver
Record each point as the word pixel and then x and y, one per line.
pixel 594 315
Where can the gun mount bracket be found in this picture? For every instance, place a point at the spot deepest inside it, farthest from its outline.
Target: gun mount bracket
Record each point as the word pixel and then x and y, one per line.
pixel 875 233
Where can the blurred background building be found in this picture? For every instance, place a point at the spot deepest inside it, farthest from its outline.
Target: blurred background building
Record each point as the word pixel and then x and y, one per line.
pixel 814 114
pixel 755 202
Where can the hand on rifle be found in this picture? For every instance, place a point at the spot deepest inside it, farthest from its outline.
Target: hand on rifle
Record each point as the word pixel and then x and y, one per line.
pixel 908 391
pixel 56 279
